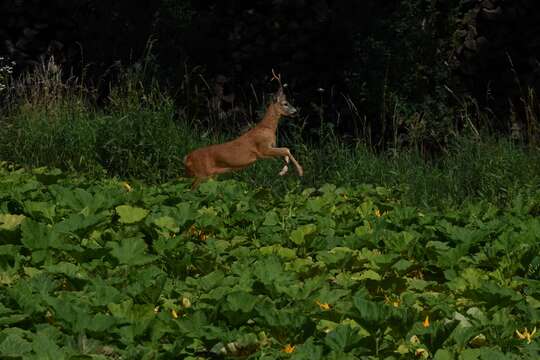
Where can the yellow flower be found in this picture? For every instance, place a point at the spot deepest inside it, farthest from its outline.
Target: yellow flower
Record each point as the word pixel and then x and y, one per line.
pixel 49 316
pixel 395 302
pixel 200 234
pixel 426 322
pixel 186 302
pixel 289 349
pixel 126 186
pixel 414 340
pixel 174 314
pixel 478 340
pixel 526 335
pixel 378 213
pixel 323 306
pixel 421 353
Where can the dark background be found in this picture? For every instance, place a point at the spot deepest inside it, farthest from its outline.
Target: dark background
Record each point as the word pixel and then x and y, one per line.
pixel 426 58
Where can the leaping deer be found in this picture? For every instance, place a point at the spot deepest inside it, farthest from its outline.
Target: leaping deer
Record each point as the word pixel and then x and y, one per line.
pixel 257 143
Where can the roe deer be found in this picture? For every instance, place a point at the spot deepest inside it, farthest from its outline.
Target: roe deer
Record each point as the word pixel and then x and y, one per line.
pixel 257 143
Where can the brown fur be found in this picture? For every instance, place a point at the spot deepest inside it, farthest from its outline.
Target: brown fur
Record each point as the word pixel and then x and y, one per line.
pixel 257 143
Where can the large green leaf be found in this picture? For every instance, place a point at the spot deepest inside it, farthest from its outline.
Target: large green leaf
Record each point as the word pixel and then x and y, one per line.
pixel 80 223
pixel 371 312
pixel 9 227
pixel 298 235
pixel 308 351
pixel 41 210
pixel 37 236
pixel 14 345
pixel 444 354
pixel 41 240
pixel 129 214
pixel 131 251
pixel 241 301
pixel 167 223
pixel 46 349
pixel 343 338
pixel 68 269
pixel 10 222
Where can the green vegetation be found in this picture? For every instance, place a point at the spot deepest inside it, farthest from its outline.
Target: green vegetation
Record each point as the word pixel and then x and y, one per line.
pixel 141 133
pixel 108 270
pixel 375 255
pixel 416 238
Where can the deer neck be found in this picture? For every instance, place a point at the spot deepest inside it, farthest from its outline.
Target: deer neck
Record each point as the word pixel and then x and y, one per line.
pixel 271 118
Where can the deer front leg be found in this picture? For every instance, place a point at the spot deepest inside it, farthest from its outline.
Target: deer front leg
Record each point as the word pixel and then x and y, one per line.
pixel 283 152
pixel 285 167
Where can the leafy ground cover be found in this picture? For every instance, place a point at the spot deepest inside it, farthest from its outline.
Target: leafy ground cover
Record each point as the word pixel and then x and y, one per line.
pixel 109 270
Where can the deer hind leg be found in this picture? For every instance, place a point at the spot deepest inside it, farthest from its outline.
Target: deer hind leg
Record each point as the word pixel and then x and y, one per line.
pixel 209 175
pixel 197 182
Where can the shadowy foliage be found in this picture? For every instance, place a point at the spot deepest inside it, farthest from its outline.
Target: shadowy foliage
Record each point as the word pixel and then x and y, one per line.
pixel 394 72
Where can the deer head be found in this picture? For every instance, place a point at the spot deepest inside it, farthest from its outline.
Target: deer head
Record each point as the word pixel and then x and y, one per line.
pixel 283 107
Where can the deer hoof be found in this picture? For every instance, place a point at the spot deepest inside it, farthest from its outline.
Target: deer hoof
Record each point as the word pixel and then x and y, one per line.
pixel 284 170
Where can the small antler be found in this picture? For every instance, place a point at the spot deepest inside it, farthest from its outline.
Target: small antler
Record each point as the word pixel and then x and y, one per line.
pixel 276 77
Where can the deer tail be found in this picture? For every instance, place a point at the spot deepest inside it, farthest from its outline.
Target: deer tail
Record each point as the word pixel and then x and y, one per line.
pixel 187 165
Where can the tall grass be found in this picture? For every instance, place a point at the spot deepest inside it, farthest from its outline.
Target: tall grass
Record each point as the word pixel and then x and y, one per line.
pixel 141 133
pixel 494 169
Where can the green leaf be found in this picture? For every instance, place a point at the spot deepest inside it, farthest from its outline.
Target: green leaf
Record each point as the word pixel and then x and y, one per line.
pixel 36 235
pixel 343 338
pixel 370 311
pixel 40 239
pixel 129 214
pixel 471 354
pixel 368 275
pixel 184 213
pixel 12 319
pixel 366 209
pixel 444 354
pixel 271 219
pixel 100 323
pixel 40 209
pixel 280 251
pixel 194 326
pixel 46 348
pixel 402 265
pixel 130 251
pixel 298 235
pixel 68 269
pixel 308 351
pixel 10 222
pixel 78 223
pixel 167 223
pixel 241 301
pixel 14 345
pixel 47 176
pixel 102 293
pixel 419 284
pixel 10 250
pixel 132 313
